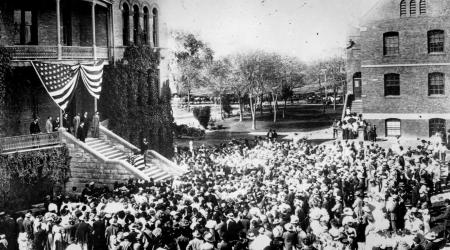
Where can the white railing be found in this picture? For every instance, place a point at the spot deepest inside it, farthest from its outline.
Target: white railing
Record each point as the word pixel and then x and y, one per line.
pixel 34 141
pixel 40 52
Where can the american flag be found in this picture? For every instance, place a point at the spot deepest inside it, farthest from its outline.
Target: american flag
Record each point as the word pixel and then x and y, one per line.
pixel 59 80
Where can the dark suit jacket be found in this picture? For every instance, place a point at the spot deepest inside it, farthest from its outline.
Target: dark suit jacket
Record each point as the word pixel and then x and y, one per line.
pixel 232 230
pixel 83 232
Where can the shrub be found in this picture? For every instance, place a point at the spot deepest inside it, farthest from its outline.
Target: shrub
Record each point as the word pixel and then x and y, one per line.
pixel 203 115
pixel 226 106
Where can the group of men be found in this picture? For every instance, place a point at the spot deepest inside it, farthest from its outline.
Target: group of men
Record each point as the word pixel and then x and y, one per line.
pixel 79 125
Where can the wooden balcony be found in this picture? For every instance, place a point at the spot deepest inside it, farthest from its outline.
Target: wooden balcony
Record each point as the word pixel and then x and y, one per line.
pixel 39 52
pixel 29 142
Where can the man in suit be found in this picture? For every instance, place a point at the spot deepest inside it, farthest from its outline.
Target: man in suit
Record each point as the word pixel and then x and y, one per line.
pixel 233 227
pixel 86 121
pixel 56 124
pixel 66 122
pixel 34 126
pixel 82 234
pixel 76 123
pixel 98 234
pixel 49 125
pixel 80 132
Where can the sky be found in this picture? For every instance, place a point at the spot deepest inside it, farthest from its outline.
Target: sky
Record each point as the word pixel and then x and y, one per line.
pixel 308 29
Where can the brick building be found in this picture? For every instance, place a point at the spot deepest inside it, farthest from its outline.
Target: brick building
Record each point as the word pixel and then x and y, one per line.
pixel 398 67
pixel 69 32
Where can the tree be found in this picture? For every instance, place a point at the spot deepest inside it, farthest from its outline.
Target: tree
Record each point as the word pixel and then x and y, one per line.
pixel 293 77
pixel 189 61
pixel 203 115
pixel 218 74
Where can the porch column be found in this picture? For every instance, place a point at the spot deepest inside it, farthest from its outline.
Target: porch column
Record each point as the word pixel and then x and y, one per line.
pixel 58 28
pixel 150 28
pixel 93 31
pixel 131 27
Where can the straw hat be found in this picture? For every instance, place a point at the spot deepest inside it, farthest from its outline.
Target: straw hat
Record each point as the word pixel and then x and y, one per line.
pixel 289 227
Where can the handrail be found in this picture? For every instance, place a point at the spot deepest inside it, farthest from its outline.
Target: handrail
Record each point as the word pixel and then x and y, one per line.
pixel 32 141
pixel 174 166
pixel 345 106
pixel 118 138
pixel 87 148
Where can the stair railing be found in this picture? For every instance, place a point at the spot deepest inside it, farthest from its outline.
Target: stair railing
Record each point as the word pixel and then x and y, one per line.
pixel 173 168
pixel 119 139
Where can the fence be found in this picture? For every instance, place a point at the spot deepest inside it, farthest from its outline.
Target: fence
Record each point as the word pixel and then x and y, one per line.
pixel 23 142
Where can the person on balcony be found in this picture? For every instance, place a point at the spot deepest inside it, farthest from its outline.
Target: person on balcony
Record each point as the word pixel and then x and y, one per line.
pixel 96 124
pixel 56 124
pixel 86 121
pixel 76 124
pixel 34 126
pixel 66 122
pixel 49 125
pixel 81 134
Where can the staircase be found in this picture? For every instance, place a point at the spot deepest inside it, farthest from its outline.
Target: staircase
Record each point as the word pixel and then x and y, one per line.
pixel 154 168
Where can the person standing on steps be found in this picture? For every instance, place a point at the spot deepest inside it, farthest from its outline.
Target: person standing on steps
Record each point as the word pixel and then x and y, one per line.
pixel 144 148
pixel 95 125
pixel 85 119
pixel 81 132
pixel 66 122
pixel 76 124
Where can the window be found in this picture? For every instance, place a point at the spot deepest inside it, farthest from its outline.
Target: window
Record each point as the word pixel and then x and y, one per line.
pixel 437 125
pixel 436 84
pixel 423 7
pixel 146 25
pixel 391 84
pixel 25 27
pixel 357 90
pixel 403 8
pixel 390 43
pixel 126 24
pixel 136 24
pixel 393 127
pixel 155 27
pixel 412 7
pixel 435 41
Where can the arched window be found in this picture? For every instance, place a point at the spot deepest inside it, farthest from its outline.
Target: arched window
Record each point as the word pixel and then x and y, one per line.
pixel 155 27
pixel 393 127
pixel 437 125
pixel 136 24
pixel 403 8
pixel 412 7
pixel 391 44
pixel 126 24
pixel 423 7
pixel 391 84
pixel 436 84
pixel 435 41
pixel 146 25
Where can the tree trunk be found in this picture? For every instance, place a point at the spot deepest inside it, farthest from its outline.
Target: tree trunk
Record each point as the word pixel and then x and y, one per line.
pixel 253 111
pixel 241 110
pixel 261 98
pixel 274 99
pixel 334 103
pixel 285 104
pixel 189 101
pixel 221 109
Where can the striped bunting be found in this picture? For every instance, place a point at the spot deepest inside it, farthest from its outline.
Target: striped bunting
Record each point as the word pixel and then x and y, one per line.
pixel 61 80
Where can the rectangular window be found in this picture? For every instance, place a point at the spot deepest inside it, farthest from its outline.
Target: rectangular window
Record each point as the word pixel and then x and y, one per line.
pixel 24 27
pixel 435 41
pixel 436 84
pixel 391 44
pixel 391 84
pixel 393 128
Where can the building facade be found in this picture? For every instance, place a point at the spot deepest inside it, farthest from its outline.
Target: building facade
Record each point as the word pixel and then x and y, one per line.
pixel 69 32
pixel 398 68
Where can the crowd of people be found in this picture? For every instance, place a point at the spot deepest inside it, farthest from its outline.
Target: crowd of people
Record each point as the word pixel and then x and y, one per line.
pixel 350 125
pixel 255 195
pixel 79 125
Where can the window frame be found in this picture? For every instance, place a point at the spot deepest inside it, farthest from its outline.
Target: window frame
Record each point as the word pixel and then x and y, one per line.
pixel 437 121
pixel 126 24
pixel 412 8
pixel 389 129
pixel 391 47
pixel 155 27
pixel 433 88
pixel 403 8
pixel 422 7
pixel 437 46
pixel 389 84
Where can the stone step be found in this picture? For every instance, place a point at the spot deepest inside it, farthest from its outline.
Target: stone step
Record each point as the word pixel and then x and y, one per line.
pixel 114 154
pixel 100 147
pixel 95 143
pixel 105 150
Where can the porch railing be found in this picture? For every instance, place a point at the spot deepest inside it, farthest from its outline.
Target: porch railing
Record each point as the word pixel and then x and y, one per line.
pixel 40 52
pixel 28 142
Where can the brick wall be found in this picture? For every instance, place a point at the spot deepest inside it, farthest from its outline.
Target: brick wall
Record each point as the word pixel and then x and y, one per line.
pixel 101 29
pixel 86 168
pixel 47 34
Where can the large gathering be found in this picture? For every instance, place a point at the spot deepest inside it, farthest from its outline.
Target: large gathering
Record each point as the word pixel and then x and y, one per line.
pixel 255 194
